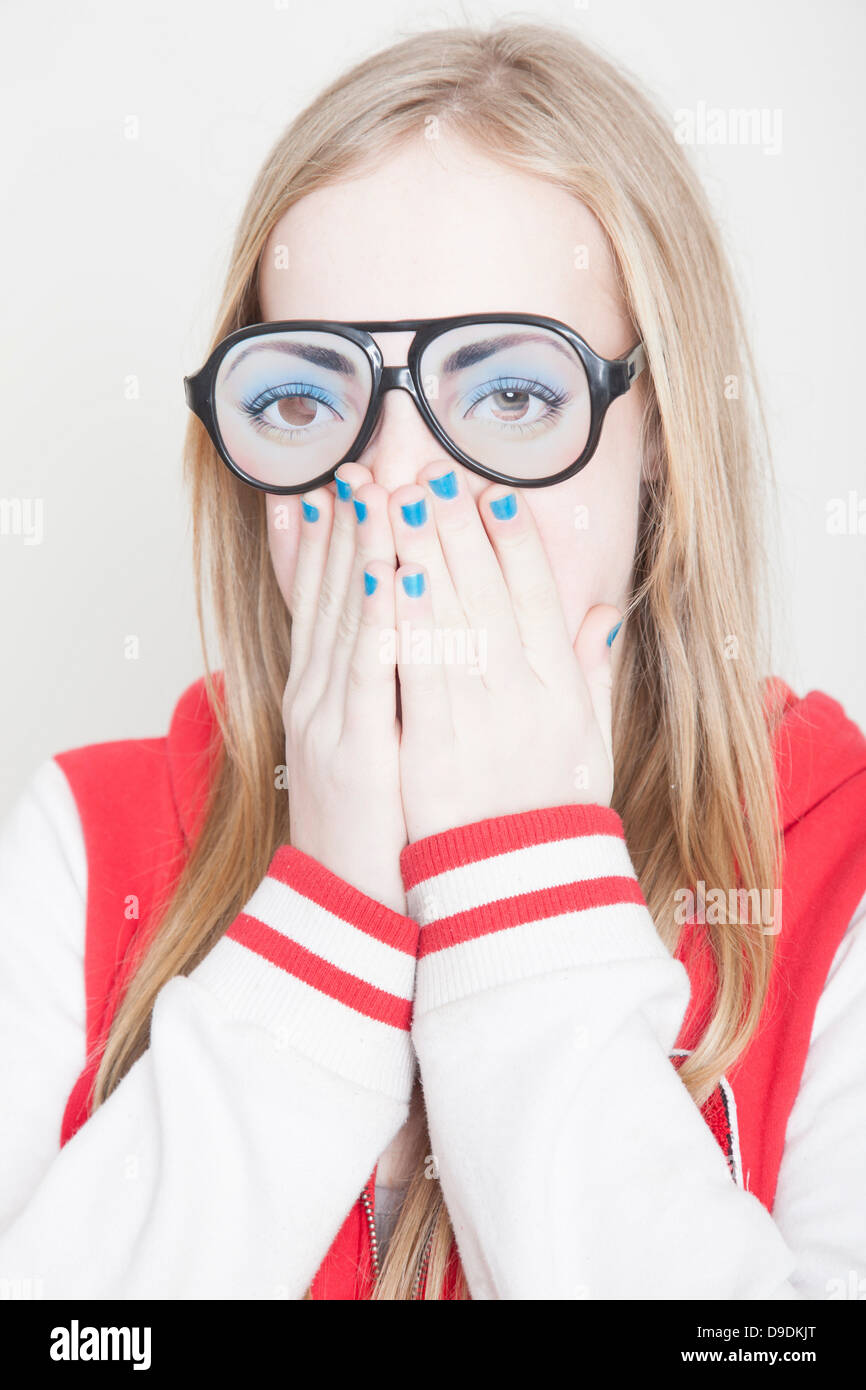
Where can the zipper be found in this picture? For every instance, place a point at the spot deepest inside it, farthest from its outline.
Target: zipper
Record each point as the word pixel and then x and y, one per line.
pixel 374 1240
pixel 368 1200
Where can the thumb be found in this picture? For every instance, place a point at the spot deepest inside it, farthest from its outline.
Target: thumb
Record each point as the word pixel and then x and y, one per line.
pixel 592 647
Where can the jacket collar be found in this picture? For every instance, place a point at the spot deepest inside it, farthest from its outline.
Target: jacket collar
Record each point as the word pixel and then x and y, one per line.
pixel 816 749
pixel 193 743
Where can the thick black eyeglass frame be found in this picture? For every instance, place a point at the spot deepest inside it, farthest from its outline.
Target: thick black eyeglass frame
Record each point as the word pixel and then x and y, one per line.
pixel 608 379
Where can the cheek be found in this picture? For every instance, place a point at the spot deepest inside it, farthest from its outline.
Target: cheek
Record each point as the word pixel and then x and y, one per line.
pixel 284 530
pixel 588 527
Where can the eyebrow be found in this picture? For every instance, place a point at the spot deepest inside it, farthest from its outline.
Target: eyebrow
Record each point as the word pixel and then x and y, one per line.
pixel 476 352
pixel 456 361
pixel 326 357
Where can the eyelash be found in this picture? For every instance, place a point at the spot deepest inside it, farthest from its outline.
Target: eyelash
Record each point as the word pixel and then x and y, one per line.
pixel 554 399
pixel 255 406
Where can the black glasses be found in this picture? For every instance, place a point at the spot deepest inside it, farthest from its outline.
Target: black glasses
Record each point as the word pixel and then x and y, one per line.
pixel 518 398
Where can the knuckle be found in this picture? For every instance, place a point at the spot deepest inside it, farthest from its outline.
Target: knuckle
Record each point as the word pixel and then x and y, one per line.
pixel 364 673
pixel 458 522
pixel 329 596
pixel 535 599
pixel 513 540
pixel 361 679
pixel 486 600
pixel 423 691
pixel 347 625
pixel 357 678
pixel 302 596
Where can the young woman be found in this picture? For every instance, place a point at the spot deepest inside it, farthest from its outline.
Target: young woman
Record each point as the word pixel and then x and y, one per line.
pixel 489 924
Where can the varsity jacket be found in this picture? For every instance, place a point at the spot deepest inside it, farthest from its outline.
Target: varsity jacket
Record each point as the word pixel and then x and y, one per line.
pixel 527 982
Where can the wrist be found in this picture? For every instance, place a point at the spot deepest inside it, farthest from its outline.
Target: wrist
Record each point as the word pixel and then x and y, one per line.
pixel 355 862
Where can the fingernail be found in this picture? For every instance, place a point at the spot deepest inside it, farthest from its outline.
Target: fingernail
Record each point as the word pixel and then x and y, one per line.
pixel 446 486
pixel 310 512
pixel 613 632
pixel 370 582
pixel 415 513
pixel 413 584
pixel 360 509
pixel 344 491
pixel 503 508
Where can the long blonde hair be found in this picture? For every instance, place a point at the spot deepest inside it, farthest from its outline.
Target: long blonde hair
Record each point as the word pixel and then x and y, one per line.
pixel 694 780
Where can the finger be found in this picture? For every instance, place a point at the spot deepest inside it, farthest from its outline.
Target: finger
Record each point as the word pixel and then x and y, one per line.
pixel 354 475
pixel 374 540
pixel 475 574
pixel 371 687
pixel 592 647
pixel 345 637
pixel 375 536
pixel 424 697
pixel 417 543
pixel 535 601
pixel 317 508
pixel 334 584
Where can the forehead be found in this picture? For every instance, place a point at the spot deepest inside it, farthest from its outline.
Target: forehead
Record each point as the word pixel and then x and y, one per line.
pixel 439 228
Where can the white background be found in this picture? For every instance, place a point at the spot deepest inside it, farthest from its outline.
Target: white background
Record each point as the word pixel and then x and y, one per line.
pixel 113 251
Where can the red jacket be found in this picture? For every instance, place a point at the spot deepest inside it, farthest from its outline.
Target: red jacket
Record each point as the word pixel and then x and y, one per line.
pixel 141 804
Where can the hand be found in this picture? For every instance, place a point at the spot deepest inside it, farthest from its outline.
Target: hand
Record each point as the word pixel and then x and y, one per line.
pixel 531 727
pixel 339 705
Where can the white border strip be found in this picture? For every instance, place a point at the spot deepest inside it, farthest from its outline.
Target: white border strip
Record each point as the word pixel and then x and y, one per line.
pixel 519 871
pixel 348 948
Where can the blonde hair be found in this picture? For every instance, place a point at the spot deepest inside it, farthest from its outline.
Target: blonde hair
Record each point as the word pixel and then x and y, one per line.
pixel 694 781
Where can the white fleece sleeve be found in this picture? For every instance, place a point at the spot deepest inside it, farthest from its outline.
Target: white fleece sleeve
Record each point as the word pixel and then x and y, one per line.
pixel 227 1159
pixel 573 1161
pixel 820 1204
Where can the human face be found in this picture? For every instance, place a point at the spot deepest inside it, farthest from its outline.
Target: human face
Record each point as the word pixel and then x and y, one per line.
pixel 442 229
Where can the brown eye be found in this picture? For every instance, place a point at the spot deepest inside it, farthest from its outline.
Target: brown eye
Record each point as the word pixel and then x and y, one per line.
pixel 297 410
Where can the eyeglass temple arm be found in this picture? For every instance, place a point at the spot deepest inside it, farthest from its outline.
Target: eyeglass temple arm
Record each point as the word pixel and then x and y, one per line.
pixel 192 393
pixel 635 362
pixel 618 373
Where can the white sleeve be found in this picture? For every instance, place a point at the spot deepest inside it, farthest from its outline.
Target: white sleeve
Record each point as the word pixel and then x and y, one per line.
pixel 227 1159
pixel 43 887
pixel 820 1201
pixel 574 1163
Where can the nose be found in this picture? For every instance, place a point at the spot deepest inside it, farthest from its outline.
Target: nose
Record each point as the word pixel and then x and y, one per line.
pixel 402 441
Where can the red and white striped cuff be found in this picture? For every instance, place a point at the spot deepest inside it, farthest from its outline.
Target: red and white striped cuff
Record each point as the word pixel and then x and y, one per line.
pixel 521 895
pixel 326 969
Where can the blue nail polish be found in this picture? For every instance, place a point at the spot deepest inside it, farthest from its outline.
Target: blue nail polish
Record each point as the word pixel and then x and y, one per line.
pixel 415 513
pixel 446 486
pixel 413 584
pixel 613 632
pixel 370 583
pixel 310 512
pixel 360 510
pixel 504 508
pixel 344 491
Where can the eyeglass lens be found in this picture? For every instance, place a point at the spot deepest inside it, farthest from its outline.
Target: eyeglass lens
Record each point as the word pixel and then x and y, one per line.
pixel 513 397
